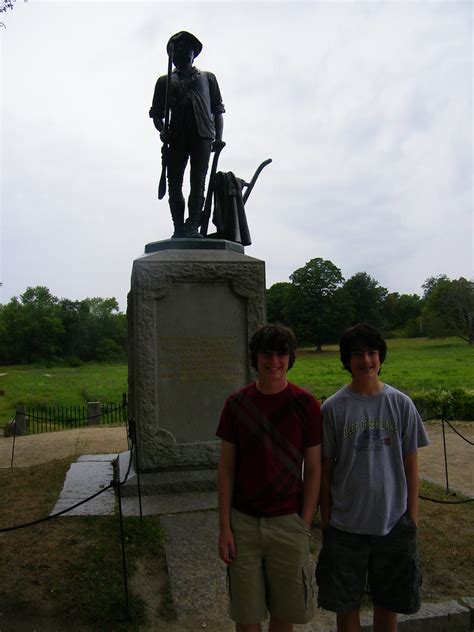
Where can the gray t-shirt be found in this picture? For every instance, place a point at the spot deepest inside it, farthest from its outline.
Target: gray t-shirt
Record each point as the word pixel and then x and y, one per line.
pixel 368 437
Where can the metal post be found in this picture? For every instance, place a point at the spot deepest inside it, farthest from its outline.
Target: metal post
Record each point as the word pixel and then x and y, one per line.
pixel 134 429
pixel 122 537
pixel 13 444
pixel 93 413
pixel 445 456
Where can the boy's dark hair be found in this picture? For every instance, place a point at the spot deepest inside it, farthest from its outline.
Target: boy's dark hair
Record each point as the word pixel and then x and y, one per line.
pixel 361 335
pixel 276 338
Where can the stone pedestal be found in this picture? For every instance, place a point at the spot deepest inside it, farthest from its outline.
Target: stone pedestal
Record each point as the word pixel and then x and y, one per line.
pixel 192 307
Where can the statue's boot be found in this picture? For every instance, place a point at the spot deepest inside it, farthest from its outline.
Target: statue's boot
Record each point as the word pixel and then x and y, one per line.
pixel 177 215
pixel 191 226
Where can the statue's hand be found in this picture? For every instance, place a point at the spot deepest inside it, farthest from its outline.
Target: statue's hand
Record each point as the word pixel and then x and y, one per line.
pixel 217 144
pixel 165 137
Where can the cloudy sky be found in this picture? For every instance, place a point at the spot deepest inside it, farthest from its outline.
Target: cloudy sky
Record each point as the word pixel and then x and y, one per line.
pixel 365 108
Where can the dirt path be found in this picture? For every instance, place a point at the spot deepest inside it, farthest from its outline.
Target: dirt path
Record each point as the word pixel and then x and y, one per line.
pixel 41 448
pixel 35 449
pixel 459 456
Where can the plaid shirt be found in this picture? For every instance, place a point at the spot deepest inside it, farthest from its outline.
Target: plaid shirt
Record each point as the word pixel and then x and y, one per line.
pixel 271 433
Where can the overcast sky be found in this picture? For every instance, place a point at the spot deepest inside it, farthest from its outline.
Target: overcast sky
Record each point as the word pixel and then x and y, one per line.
pixel 365 108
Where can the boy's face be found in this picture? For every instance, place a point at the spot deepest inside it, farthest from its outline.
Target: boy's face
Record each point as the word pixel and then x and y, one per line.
pixel 364 363
pixel 272 365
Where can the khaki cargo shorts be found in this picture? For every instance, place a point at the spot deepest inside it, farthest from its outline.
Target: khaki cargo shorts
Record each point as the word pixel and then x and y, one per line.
pixel 271 571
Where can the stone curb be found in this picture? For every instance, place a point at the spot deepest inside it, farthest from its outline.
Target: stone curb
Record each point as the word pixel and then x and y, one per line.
pixel 446 616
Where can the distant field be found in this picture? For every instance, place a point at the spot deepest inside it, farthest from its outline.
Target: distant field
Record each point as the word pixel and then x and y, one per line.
pixel 412 365
pixel 60 386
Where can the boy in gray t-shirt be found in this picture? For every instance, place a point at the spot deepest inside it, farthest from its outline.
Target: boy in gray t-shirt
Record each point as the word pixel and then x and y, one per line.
pixel 369 491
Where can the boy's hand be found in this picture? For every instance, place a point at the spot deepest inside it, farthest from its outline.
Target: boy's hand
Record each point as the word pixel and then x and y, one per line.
pixel 226 546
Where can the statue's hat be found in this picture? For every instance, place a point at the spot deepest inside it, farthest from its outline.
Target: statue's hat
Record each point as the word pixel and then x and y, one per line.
pixel 190 39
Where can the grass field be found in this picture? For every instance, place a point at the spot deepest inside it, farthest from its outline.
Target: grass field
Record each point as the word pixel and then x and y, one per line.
pixel 412 365
pixel 37 386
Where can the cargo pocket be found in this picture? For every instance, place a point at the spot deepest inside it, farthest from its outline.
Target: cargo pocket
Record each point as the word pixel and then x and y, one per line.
pixel 309 591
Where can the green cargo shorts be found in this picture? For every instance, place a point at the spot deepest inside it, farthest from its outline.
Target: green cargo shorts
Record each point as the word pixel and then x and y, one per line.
pixel 271 571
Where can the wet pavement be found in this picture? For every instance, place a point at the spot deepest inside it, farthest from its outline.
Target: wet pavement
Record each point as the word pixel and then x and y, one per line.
pixel 90 474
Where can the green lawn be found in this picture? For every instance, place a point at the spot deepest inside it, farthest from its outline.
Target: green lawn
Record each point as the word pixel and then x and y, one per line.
pixel 412 365
pixel 59 386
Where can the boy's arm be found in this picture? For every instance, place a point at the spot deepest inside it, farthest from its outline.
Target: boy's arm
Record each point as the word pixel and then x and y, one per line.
pixel 325 498
pixel 410 463
pixel 225 490
pixel 311 482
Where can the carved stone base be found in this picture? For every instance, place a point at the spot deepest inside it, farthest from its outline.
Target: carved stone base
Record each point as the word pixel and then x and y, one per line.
pixel 190 313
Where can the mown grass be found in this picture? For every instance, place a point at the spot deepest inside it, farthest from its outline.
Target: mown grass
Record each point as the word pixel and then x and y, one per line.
pixel 412 365
pixel 70 566
pixel 37 386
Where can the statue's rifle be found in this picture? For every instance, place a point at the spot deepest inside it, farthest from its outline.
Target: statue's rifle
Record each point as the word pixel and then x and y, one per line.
pixel 164 148
pixel 206 213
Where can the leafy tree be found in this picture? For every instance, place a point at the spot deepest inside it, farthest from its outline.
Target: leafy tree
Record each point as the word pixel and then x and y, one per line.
pixel 277 302
pixel 31 327
pixel 106 323
pixel 431 282
pixel 449 307
pixel 38 326
pixel 366 298
pixel 312 310
pixel 401 315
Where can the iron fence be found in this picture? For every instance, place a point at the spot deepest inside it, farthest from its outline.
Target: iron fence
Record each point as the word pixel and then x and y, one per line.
pixel 51 418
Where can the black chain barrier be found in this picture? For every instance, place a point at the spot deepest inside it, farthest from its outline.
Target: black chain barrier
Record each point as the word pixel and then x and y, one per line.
pixel 447 502
pixel 435 500
pixel 113 483
pixel 458 433
pixel 116 484
pixel 59 513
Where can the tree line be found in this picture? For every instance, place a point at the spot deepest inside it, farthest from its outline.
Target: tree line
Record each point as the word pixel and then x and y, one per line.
pixel 39 327
pixel 318 304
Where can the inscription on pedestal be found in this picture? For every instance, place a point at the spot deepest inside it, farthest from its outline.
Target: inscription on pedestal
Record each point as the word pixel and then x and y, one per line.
pixel 197 368
pixel 199 359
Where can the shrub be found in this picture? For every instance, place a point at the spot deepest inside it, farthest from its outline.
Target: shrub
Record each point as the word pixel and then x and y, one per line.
pixel 455 404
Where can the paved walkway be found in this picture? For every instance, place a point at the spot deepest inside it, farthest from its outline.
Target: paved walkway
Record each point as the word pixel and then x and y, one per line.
pixel 91 473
